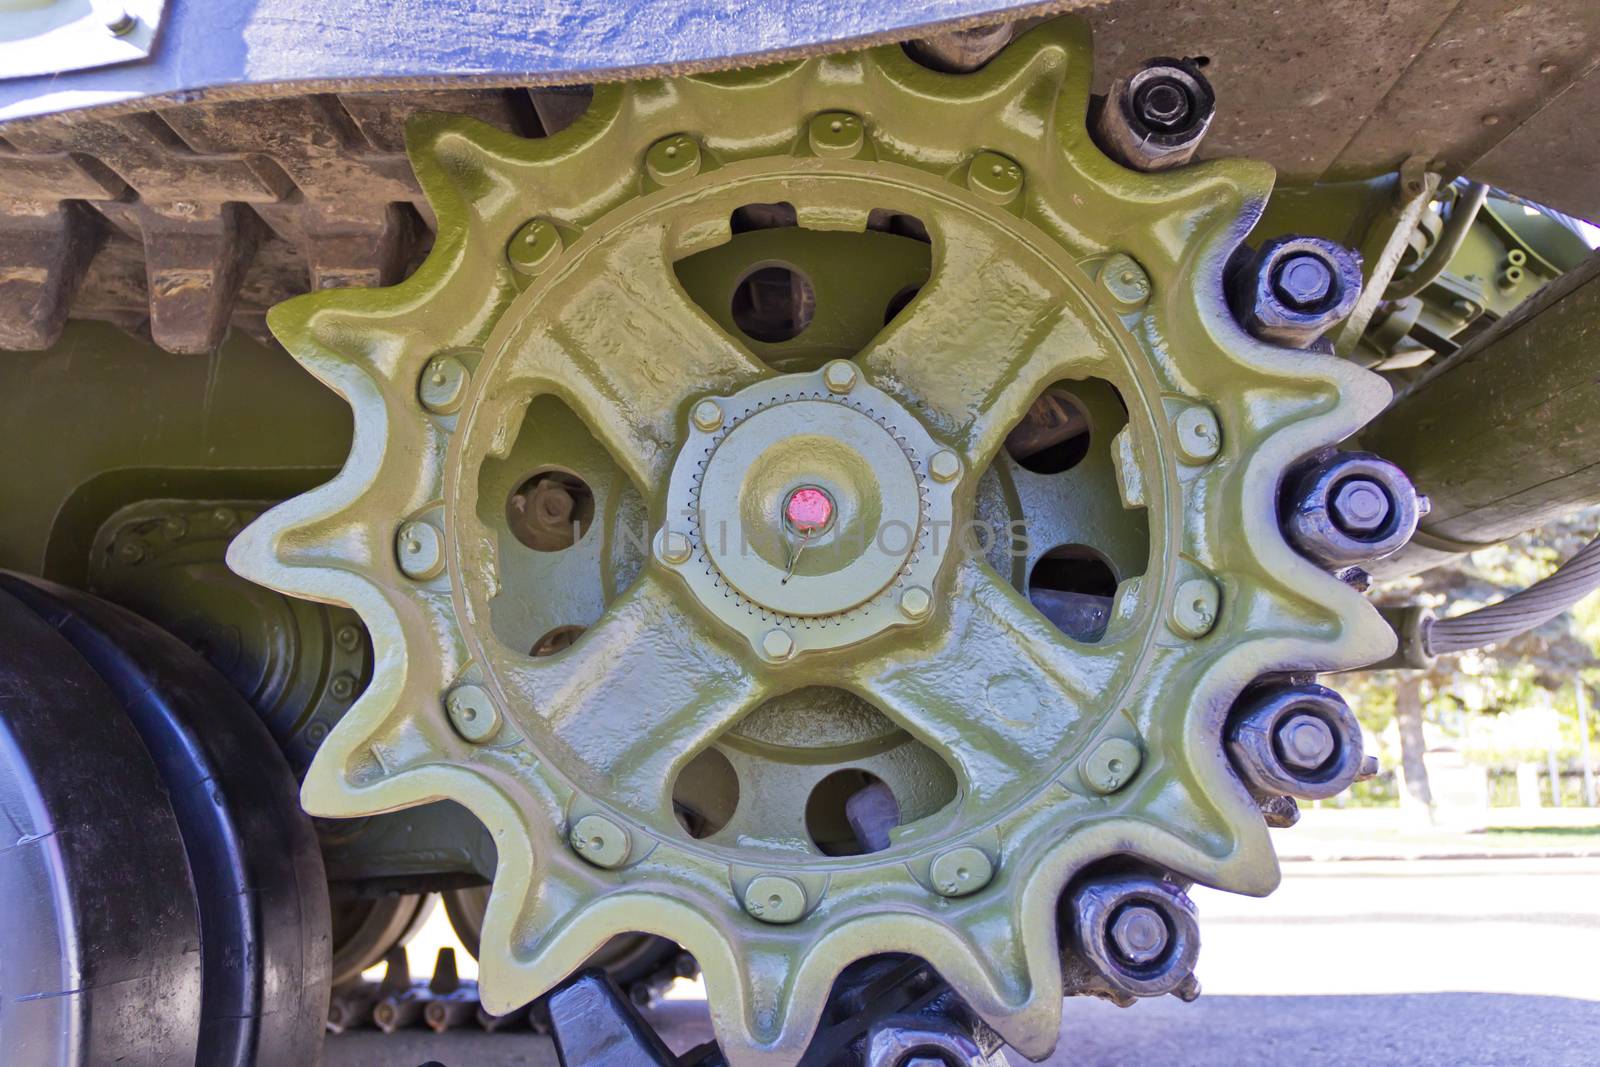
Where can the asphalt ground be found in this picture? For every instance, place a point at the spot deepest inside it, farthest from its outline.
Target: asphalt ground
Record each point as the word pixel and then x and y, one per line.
pixel 1444 963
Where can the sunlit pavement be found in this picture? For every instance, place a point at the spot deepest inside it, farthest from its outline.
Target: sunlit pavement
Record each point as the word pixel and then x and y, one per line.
pixel 1421 963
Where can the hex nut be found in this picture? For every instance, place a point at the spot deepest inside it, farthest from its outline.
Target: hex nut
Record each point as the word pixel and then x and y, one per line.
pixel 472 713
pixel 707 416
pixel 1139 934
pixel 1137 963
pixel 837 134
pixel 534 247
pixel 443 385
pixel 840 376
pixel 1199 434
pixel 996 178
pixel 944 466
pixel 1111 764
pixel 600 841
pixel 1275 292
pixel 777 645
pixel 961 871
pixel 774 898
pixel 675 547
pixel 1195 607
pixel 915 603
pixel 1331 509
pixel 673 159
pixel 419 549
pixel 1306 742
pixel 1156 117
pixel 1263 742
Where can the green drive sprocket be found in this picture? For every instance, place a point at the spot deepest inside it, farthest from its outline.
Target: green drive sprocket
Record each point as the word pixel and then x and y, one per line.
pixel 553 277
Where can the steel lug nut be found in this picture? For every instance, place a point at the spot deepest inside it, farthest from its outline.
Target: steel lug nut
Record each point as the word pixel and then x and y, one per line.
pixel 1156 117
pixel 1292 290
pixel 1139 934
pixel 1348 508
pixel 1295 740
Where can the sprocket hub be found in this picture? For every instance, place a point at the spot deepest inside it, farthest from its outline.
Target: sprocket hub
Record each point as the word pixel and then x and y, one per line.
pixel 1016 754
pixel 867 568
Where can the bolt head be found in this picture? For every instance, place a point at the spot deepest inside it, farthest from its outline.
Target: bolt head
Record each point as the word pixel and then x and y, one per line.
pixel 772 898
pixel 915 603
pixel 1162 104
pixel 961 871
pixel 777 645
pixel 1361 506
pixel 839 376
pixel 1139 934
pixel 600 841
pixel 707 416
pixel 419 548
pixel 1304 282
pixel 472 713
pixel 675 547
pixel 944 466
pixel 1306 742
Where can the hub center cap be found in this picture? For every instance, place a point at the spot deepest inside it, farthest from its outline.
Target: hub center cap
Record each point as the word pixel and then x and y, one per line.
pixel 810 511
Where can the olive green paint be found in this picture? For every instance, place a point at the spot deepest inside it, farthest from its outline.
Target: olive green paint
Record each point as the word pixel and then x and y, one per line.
pixel 1010 704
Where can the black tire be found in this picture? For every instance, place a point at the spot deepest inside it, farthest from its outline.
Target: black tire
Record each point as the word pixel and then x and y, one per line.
pixel 257 870
pixel 100 928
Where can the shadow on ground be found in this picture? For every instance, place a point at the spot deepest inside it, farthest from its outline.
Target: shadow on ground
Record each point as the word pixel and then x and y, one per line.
pixel 1405 1030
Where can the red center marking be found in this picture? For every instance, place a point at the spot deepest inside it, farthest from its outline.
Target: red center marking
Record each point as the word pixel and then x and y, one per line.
pixel 808 509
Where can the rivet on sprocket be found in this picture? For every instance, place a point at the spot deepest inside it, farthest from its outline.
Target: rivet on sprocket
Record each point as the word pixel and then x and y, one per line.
pixel 1126 281
pixel 1199 435
pixel 419 549
pixel 600 841
pixel 1194 608
pixel 772 898
pixel 961 871
pixel 836 133
pixel 673 159
pixel 534 247
pixel 472 713
pixel 1110 765
pixel 995 177
pixel 442 385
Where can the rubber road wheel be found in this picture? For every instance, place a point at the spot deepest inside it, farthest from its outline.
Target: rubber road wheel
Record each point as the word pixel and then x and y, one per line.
pixel 256 866
pixel 100 931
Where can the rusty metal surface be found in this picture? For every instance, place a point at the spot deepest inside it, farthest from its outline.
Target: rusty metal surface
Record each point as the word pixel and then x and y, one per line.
pixel 181 220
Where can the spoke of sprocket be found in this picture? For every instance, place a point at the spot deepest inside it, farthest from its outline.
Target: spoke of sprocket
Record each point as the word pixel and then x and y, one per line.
pixel 639 694
pixel 980 341
pixel 629 350
pixel 1002 690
